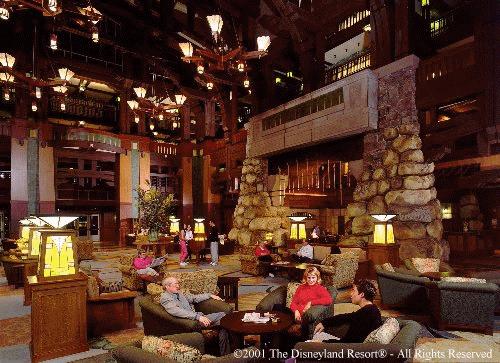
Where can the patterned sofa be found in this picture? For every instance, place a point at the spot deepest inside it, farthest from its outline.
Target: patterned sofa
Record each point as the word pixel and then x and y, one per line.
pixel 250 264
pixel 158 322
pixel 133 353
pixel 463 305
pixel 402 290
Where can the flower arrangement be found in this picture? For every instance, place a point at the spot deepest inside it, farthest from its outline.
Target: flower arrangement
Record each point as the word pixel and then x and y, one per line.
pixel 154 210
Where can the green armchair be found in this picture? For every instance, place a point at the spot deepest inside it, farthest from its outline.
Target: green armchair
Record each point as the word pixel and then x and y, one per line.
pixel 313 315
pixel 250 264
pixel 134 354
pixel 403 342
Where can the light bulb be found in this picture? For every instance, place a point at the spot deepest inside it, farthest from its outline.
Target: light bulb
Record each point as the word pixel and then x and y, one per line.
pixel 246 83
pixel 174 125
pixel 4 12
pixel 200 69
pixel 52 5
pixel 34 107
pixel 63 106
pixel 241 67
pixel 136 119
pixel 6 96
pixel 151 127
pixel 38 92
pixel 53 41
pixel 155 133
pixel 210 85
pixel 160 117
pixel 95 35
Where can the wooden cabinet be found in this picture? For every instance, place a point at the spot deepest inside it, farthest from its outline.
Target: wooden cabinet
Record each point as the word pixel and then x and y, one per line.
pixel 58 316
pixel 379 254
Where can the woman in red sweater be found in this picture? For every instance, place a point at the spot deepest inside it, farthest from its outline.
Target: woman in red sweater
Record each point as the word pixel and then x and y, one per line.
pixel 310 293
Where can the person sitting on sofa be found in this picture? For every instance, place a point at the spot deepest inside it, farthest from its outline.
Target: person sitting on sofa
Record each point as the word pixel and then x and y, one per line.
pixel 180 305
pixel 304 254
pixel 262 252
pixel 361 322
pixel 142 264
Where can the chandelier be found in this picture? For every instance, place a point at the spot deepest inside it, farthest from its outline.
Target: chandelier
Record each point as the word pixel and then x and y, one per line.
pixel 46 7
pixel 221 58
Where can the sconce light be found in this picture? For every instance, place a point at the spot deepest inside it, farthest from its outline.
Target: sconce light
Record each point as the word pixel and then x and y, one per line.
pixel 200 69
pixel 298 227
pixel 383 232
pixel 210 85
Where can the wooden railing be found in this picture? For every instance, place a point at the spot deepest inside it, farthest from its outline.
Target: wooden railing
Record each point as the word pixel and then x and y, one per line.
pixel 338 71
pixel 85 194
pixel 163 148
pixel 443 64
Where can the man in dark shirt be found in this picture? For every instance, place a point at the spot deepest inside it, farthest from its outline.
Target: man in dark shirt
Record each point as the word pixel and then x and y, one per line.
pixel 362 322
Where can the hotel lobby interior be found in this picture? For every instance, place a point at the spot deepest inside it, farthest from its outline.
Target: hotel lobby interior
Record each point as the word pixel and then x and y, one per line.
pixel 242 149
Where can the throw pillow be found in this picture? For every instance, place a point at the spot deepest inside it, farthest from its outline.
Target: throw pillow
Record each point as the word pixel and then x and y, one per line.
pixel 385 333
pixel 388 267
pixel 169 349
pixel 110 286
pixel 463 279
pixel 424 265
pixel 290 291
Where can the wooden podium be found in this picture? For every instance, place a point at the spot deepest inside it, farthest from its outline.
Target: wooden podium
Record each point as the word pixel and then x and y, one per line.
pixel 58 316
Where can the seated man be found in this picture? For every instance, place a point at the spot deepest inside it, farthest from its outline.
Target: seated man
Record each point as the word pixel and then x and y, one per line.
pixel 304 254
pixel 361 322
pixel 180 305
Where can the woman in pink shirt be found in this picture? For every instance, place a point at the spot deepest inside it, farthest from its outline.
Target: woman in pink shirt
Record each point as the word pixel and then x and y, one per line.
pixel 142 263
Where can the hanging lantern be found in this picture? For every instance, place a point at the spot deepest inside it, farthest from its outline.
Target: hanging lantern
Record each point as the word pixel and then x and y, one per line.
pixel 34 107
pixel 65 74
pixel 215 22
pixel 140 92
pixel 210 85
pixel 151 127
pixel 6 77
pixel 241 67
pixel 179 99
pixel 52 5
pixel 95 35
pixel 200 69
pixel 160 117
pixel 4 12
pixel 187 49
pixel 134 105
pixel 246 83
pixel 174 125
pixel 60 89
pixel 263 43
pixel 6 95
pixel 155 133
pixel 38 92
pixel 53 41
pixel 63 106
pixel 7 60
pixel 136 119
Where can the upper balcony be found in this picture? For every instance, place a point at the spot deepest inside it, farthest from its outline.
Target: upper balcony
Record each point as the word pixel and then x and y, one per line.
pixel 340 109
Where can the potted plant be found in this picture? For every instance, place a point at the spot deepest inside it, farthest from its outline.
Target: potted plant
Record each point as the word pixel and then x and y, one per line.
pixel 154 210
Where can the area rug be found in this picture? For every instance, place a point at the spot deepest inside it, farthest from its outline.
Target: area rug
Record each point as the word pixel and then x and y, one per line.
pixel 455 350
pixel 15 331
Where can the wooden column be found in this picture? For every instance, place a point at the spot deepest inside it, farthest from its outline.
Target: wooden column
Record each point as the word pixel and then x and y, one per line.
pixel 185 121
pixel 209 118
pixel 233 114
pixel 125 113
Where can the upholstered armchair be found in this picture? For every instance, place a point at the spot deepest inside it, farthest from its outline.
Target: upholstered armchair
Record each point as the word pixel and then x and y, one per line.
pixel 283 295
pixel 158 322
pixel 131 279
pixel 339 270
pixel 250 264
pixel 133 353
pixel 467 305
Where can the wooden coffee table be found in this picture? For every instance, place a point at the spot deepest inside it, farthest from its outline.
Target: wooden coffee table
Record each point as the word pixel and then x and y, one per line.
pixel 238 329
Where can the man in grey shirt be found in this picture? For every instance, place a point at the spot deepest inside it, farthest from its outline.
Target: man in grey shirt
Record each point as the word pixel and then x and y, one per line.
pixel 180 305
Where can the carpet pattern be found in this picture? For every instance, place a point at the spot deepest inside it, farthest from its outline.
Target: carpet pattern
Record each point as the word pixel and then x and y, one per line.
pixel 15 331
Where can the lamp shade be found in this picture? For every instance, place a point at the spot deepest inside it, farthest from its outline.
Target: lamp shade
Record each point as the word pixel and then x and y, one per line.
pixel 383 232
pixel 174 225
pixel 58 221
pixel 57 255
pixel 36 221
pixel 187 49
pixel 180 99
pixel 134 105
pixel 25 222
pixel 65 74
pixel 215 22
pixel 7 60
pixel 263 42
pixel 140 92
pixel 383 217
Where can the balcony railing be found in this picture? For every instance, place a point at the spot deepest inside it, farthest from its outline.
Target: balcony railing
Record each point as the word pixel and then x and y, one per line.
pixel 458 17
pixel 164 148
pixel 353 65
pixel 87 195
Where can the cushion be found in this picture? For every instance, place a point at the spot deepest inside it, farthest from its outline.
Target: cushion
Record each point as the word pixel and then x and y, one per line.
pixel 85 249
pixel 385 333
pixel 290 291
pixel 463 279
pixel 388 267
pixel 424 265
pixel 110 286
pixel 169 349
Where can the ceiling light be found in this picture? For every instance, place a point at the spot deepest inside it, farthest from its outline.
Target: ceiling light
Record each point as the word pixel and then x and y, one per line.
pixel 95 35
pixel 179 99
pixel 215 22
pixel 246 83
pixel 38 92
pixel 65 74
pixel 60 89
pixel 200 69
pixel 52 5
pixel 134 105
pixel 155 133
pixel 7 60
pixel 6 95
pixel 34 107
pixel 140 92
pixel 151 127
pixel 136 119
pixel 53 41
pixel 367 28
pixel 160 117
pixel 241 67
pixel 4 12
pixel 6 77
pixel 263 43
pixel 63 106
pixel 187 49
pixel 174 125
pixel 210 85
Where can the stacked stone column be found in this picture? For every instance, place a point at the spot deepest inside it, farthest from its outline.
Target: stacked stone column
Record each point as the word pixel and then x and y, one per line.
pixel 255 216
pixel 396 179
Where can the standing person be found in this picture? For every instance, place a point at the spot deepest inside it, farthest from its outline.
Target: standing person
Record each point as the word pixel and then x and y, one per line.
pixel 182 243
pixel 189 238
pixel 213 238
